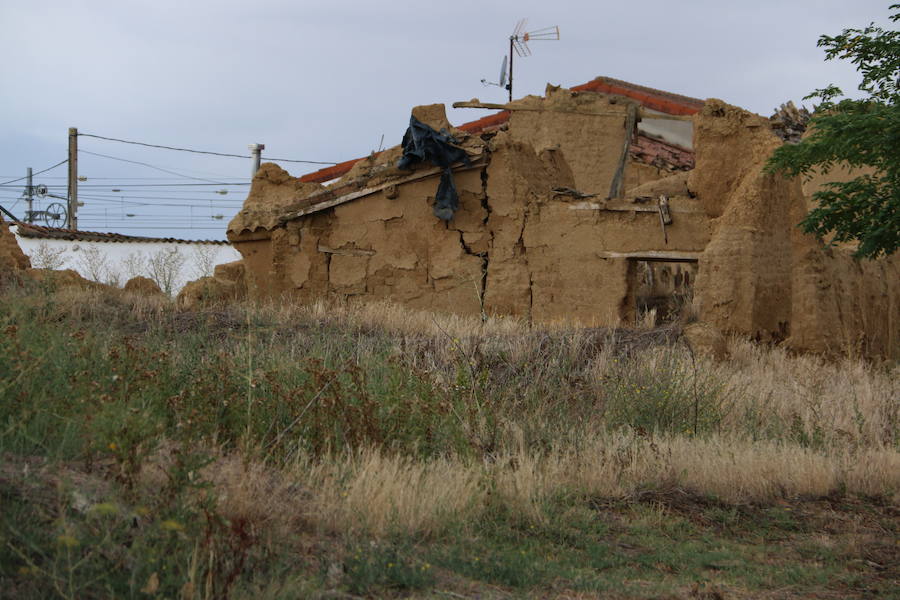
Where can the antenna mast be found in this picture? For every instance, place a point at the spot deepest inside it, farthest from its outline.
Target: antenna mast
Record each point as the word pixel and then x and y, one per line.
pixel 518 44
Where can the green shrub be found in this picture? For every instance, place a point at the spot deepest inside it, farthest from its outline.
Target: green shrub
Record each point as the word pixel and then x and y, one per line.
pixel 663 392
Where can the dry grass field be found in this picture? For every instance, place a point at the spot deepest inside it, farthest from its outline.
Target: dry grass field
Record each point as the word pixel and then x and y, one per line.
pixel 373 451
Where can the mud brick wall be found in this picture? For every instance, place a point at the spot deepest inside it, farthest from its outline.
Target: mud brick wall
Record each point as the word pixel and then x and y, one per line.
pixel 515 247
pixel 537 237
pixel 760 275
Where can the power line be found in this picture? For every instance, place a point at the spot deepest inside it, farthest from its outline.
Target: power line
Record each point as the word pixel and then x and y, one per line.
pixel 144 185
pixel 125 178
pixel 198 203
pixel 143 164
pixel 139 227
pixel 107 186
pixel 117 197
pixel 139 220
pixel 62 162
pixel 225 154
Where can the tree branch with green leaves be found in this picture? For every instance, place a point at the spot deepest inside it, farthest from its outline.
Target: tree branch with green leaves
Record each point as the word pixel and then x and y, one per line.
pixel 856 134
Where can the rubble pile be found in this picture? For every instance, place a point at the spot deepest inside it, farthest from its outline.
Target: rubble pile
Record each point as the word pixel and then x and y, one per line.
pixel 789 122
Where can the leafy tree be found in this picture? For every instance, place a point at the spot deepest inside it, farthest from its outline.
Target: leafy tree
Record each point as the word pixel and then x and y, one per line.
pixel 855 133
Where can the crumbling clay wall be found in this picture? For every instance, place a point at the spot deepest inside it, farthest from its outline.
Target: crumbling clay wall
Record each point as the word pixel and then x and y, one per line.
pixel 390 247
pixel 588 129
pixel 744 281
pixel 760 275
pixel 227 284
pixel 537 235
pixel 273 193
pixel 525 241
pixel 557 256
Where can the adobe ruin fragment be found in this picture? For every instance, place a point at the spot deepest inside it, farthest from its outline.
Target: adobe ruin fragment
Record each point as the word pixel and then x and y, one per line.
pixel 569 212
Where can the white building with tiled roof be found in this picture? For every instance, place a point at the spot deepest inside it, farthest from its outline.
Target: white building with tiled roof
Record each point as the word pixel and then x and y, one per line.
pixel 115 258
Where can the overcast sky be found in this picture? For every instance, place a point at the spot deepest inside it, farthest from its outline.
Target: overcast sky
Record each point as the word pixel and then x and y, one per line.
pixel 324 81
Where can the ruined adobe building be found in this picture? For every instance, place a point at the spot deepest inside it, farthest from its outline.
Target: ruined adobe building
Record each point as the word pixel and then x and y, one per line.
pixel 560 218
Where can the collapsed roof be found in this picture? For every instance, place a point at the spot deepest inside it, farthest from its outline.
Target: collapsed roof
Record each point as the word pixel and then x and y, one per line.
pixel 652 99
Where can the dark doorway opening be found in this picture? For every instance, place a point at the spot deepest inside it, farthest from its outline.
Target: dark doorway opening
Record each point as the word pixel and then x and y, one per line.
pixel 659 290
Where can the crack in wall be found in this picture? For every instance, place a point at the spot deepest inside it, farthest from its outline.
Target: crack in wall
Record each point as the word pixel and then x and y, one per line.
pixel 520 247
pixel 485 260
pixel 484 256
pixel 482 288
pixel 328 271
pixel 484 195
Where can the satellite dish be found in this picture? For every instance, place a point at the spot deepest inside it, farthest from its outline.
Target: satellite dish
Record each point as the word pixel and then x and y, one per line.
pixel 503 66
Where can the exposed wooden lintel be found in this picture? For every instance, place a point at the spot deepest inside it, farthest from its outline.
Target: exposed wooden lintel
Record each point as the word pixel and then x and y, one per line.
pixel 643 114
pixel 660 255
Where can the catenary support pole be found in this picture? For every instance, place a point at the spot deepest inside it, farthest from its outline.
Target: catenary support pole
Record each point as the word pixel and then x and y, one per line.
pixel 73 178
pixel 255 157
pixel 29 197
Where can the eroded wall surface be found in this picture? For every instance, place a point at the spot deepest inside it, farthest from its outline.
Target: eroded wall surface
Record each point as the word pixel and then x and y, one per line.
pixel 514 247
pixel 536 235
pixel 589 130
pixel 760 275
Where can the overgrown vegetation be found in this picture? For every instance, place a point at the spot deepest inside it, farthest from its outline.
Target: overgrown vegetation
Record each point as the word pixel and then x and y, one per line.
pixel 862 134
pixel 299 452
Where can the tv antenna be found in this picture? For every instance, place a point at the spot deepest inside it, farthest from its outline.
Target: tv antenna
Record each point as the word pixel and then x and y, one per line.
pixel 518 44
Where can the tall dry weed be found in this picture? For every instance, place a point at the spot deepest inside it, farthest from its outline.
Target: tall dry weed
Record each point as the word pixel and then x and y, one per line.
pixel 377 494
pixel 849 402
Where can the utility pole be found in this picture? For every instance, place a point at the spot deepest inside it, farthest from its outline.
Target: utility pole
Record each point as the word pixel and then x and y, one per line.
pixel 73 178
pixel 29 196
pixel 255 157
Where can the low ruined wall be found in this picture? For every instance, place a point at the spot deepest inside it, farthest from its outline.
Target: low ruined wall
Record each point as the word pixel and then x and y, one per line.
pixel 761 275
pixel 515 247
